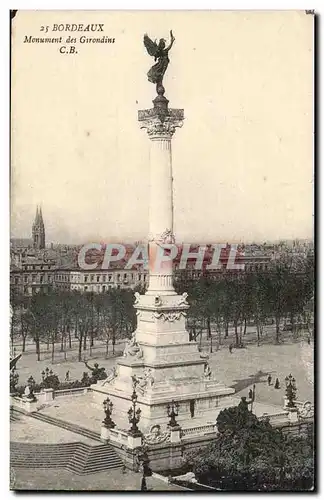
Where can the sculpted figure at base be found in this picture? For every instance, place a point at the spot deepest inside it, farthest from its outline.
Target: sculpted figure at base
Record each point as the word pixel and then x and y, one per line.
pixel 111 376
pixel 155 435
pixel 96 372
pixel 133 349
pixel 142 383
pixel 157 301
pixel 207 371
pixel 168 237
pixel 183 299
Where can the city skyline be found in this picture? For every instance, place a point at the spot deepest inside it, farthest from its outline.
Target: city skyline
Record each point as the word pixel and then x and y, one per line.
pixel 243 163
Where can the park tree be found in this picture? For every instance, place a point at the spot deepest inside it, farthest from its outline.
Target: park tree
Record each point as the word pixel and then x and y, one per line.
pixel 251 455
pixel 216 301
pixel 217 307
pixel 185 283
pixel 82 319
pixel 18 304
pixel 66 319
pixel 38 309
pixel 27 323
pixel 258 300
pixel 120 318
pixel 52 320
pixel 290 286
pixel 234 306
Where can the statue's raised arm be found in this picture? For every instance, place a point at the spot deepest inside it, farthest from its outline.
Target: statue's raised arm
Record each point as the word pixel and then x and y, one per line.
pixel 160 53
pixel 172 41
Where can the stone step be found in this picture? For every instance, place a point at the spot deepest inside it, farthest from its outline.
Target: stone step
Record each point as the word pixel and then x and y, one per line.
pixel 16 446
pixel 94 470
pixel 90 460
pixel 79 458
pixel 81 467
pixel 68 426
pixel 94 460
pixel 40 456
pixel 38 465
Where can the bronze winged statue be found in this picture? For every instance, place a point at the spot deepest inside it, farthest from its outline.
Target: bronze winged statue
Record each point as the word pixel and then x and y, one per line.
pixel 161 54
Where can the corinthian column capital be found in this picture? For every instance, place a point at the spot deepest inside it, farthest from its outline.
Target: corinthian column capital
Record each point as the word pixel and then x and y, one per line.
pixel 160 124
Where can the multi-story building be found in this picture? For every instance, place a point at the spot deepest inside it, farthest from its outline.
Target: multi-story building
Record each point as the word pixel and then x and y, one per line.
pixel 35 268
pixel 32 277
pixel 103 280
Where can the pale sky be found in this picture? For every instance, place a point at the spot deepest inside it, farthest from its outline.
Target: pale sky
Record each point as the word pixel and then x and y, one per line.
pixel 242 162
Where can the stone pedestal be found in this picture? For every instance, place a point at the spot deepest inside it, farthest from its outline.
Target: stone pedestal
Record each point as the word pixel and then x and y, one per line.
pixel 292 414
pixel 29 405
pixel 160 360
pixel 134 441
pixel 47 395
pixel 105 434
pixel 175 435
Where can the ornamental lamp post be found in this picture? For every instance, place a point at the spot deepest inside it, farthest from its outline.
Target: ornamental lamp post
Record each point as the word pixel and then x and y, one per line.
pixel 108 407
pixel 173 411
pixel 291 390
pixel 134 416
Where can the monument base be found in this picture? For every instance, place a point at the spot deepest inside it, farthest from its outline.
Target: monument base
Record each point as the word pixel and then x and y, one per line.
pixel 163 365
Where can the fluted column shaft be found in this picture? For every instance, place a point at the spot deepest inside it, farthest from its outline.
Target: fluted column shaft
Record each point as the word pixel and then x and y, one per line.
pixel 160 127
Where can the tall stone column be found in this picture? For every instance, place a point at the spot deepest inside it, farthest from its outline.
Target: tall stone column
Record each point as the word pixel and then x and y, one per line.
pixel 160 124
pixel 160 362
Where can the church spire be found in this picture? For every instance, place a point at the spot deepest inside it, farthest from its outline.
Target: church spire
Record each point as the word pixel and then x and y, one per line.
pixel 40 216
pixel 36 216
pixel 38 230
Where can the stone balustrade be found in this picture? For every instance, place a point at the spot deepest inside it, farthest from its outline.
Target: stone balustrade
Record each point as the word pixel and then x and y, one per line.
pixel 72 392
pixel 275 417
pixel 199 430
pixel 25 404
pixel 119 436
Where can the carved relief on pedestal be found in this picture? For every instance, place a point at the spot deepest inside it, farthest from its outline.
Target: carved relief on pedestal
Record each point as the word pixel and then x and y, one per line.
pixel 155 435
pixel 207 371
pixel 169 316
pixel 167 237
pixel 142 383
pixel 177 301
pixel 133 349
pixel 111 376
pixel 144 317
pixel 183 299
pixel 307 410
pixel 157 301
